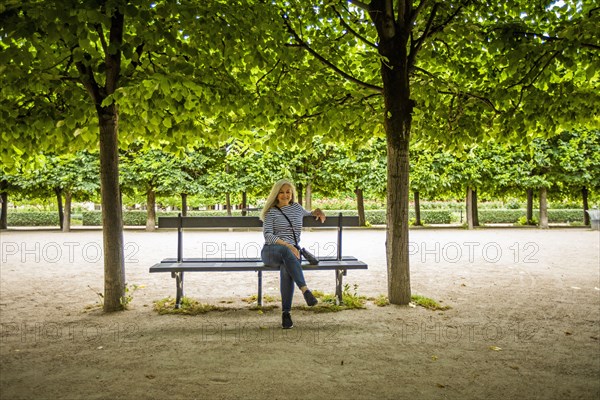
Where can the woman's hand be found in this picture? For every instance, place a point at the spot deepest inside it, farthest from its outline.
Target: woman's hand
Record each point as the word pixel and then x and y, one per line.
pixel 292 248
pixel 295 251
pixel 318 214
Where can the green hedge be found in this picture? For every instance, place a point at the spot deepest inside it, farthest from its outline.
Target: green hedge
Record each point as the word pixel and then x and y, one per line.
pixel 374 217
pixel 500 216
pixel 433 216
pixel 565 215
pixel 33 218
pixel 512 216
pixel 377 217
pixel 138 218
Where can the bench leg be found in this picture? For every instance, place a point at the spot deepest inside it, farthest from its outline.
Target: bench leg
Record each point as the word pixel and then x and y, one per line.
pixel 179 283
pixel 260 294
pixel 339 279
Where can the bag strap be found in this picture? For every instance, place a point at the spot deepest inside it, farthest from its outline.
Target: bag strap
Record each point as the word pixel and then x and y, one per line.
pixel 290 222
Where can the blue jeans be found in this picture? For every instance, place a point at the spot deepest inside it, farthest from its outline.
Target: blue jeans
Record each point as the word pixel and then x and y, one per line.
pixel 290 271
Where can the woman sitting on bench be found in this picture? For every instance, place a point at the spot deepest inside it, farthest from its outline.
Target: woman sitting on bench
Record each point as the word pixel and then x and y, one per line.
pixel 282 224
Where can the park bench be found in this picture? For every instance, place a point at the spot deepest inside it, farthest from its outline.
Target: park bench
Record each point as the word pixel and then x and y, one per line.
pixel 181 265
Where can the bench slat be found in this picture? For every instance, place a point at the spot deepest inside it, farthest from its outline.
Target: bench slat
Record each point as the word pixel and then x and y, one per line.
pixel 251 266
pixel 245 222
pixel 212 260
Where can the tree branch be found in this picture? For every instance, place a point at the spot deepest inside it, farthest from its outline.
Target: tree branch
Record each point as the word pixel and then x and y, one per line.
pixel 113 61
pixel 100 33
pixel 89 82
pixel 349 28
pixel 525 87
pixel 425 72
pixel 516 106
pixel 265 75
pixel 402 12
pixel 535 64
pixel 556 39
pixel 485 100
pixel 359 4
pixel 417 11
pixel 139 51
pixel 416 46
pixel 325 61
pixel 326 107
pixel 371 95
pixel 69 57
pixel 556 53
pixel 69 79
pixel 591 46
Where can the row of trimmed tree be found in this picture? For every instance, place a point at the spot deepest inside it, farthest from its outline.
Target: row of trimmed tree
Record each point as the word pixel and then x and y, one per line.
pixel 566 166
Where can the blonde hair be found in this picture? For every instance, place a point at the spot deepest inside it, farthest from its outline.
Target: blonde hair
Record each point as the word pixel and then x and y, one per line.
pixel 272 199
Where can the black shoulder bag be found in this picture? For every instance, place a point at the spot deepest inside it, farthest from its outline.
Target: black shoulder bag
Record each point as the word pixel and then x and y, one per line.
pixel 310 257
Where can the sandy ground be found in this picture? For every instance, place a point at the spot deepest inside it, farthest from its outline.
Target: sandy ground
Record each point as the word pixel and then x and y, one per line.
pixel 524 321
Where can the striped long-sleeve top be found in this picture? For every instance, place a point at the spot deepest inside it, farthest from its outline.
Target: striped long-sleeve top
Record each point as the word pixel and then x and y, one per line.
pixel 275 226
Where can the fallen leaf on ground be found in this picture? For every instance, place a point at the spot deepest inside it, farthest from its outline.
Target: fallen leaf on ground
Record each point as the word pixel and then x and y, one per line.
pixel 495 348
pixel 434 358
pixel 150 376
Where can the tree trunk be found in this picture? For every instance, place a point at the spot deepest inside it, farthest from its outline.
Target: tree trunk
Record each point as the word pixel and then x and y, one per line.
pixel 543 208
pixel 184 206
pixel 529 206
pixel 61 216
pixel 4 205
pixel 108 122
pixel 308 199
pixel 112 213
pixel 228 204
pixel 360 206
pixel 299 192
pixel 244 203
pixel 151 210
pixel 66 224
pixel 397 221
pixel 417 208
pixel 474 209
pixel 584 196
pixel 469 207
pixel 398 108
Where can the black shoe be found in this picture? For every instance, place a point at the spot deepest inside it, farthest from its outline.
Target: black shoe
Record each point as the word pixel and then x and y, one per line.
pixel 286 320
pixel 311 300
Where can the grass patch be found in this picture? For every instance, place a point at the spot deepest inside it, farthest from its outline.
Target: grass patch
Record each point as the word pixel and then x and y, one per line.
pixel 254 299
pixel 351 300
pixel 381 301
pixel 327 302
pixel 427 303
pixel 188 307
pixel 416 300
